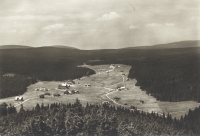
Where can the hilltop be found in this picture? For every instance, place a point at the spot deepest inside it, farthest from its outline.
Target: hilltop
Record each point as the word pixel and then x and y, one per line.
pixel 14 46
pixel 181 44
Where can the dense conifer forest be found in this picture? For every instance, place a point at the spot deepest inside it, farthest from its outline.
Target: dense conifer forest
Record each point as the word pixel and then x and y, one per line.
pixel 76 120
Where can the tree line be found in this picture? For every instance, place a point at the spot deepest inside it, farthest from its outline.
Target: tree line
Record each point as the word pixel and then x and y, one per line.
pixel 76 120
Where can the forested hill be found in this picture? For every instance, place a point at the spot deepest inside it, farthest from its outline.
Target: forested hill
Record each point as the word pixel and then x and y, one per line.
pixel 167 74
pixel 181 44
pixel 13 47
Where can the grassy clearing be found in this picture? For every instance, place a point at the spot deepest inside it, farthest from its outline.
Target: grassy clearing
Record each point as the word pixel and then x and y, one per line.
pixel 97 93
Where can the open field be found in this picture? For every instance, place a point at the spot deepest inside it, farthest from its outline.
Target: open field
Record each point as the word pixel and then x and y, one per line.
pixel 103 88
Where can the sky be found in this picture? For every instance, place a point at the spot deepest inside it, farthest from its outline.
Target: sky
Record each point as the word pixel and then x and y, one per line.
pixel 98 24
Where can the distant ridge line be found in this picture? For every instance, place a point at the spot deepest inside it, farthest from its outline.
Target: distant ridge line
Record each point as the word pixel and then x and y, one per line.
pixel 180 44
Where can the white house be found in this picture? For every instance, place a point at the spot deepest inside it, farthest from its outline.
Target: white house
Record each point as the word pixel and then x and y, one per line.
pixel 87 85
pixel 18 98
pixel 106 102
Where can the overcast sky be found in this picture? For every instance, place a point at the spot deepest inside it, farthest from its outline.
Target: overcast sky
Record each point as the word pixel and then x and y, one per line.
pixel 94 24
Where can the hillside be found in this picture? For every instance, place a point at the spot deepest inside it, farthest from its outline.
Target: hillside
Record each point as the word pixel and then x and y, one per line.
pixel 13 47
pixel 63 46
pixel 181 44
pixel 168 74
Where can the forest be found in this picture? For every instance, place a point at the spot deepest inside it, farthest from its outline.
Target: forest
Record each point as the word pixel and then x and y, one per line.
pixel 167 74
pixel 30 66
pixel 72 119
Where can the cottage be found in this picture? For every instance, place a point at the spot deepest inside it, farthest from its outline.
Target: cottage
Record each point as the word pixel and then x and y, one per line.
pixel 127 79
pixel 45 89
pixel 70 92
pixel 141 101
pixel 63 86
pixel 87 85
pixel 41 96
pixel 105 102
pixel 121 88
pixel 37 89
pixel 74 91
pixel 66 92
pixel 19 98
pixel 47 94
pixel 70 82
pixel 56 94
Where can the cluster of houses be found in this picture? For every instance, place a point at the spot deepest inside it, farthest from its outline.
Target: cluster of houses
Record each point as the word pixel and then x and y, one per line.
pixel 66 85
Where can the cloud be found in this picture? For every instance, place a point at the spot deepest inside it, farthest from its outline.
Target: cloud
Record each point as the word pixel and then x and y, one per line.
pixel 53 27
pixel 153 25
pixel 70 32
pixel 111 16
pixel 195 18
pixel 22 31
pixel 170 24
pixel 11 31
pixel 32 17
pixel 133 27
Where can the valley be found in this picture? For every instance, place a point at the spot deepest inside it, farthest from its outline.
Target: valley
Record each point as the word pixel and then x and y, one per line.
pixel 103 88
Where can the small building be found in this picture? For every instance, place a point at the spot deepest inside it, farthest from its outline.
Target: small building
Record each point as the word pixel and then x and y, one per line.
pixel 47 94
pixel 105 102
pixel 41 96
pixel 74 91
pixel 141 101
pixel 127 79
pixel 19 98
pixel 121 88
pixel 41 89
pixel 87 85
pixel 70 92
pixel 37 89
pixel 63 86
pixel 56 94
pixel 45 89
pixel 70 82
pixel 66 92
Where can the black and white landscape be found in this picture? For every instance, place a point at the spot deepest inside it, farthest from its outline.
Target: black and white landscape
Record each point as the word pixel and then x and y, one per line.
pixel 99 68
